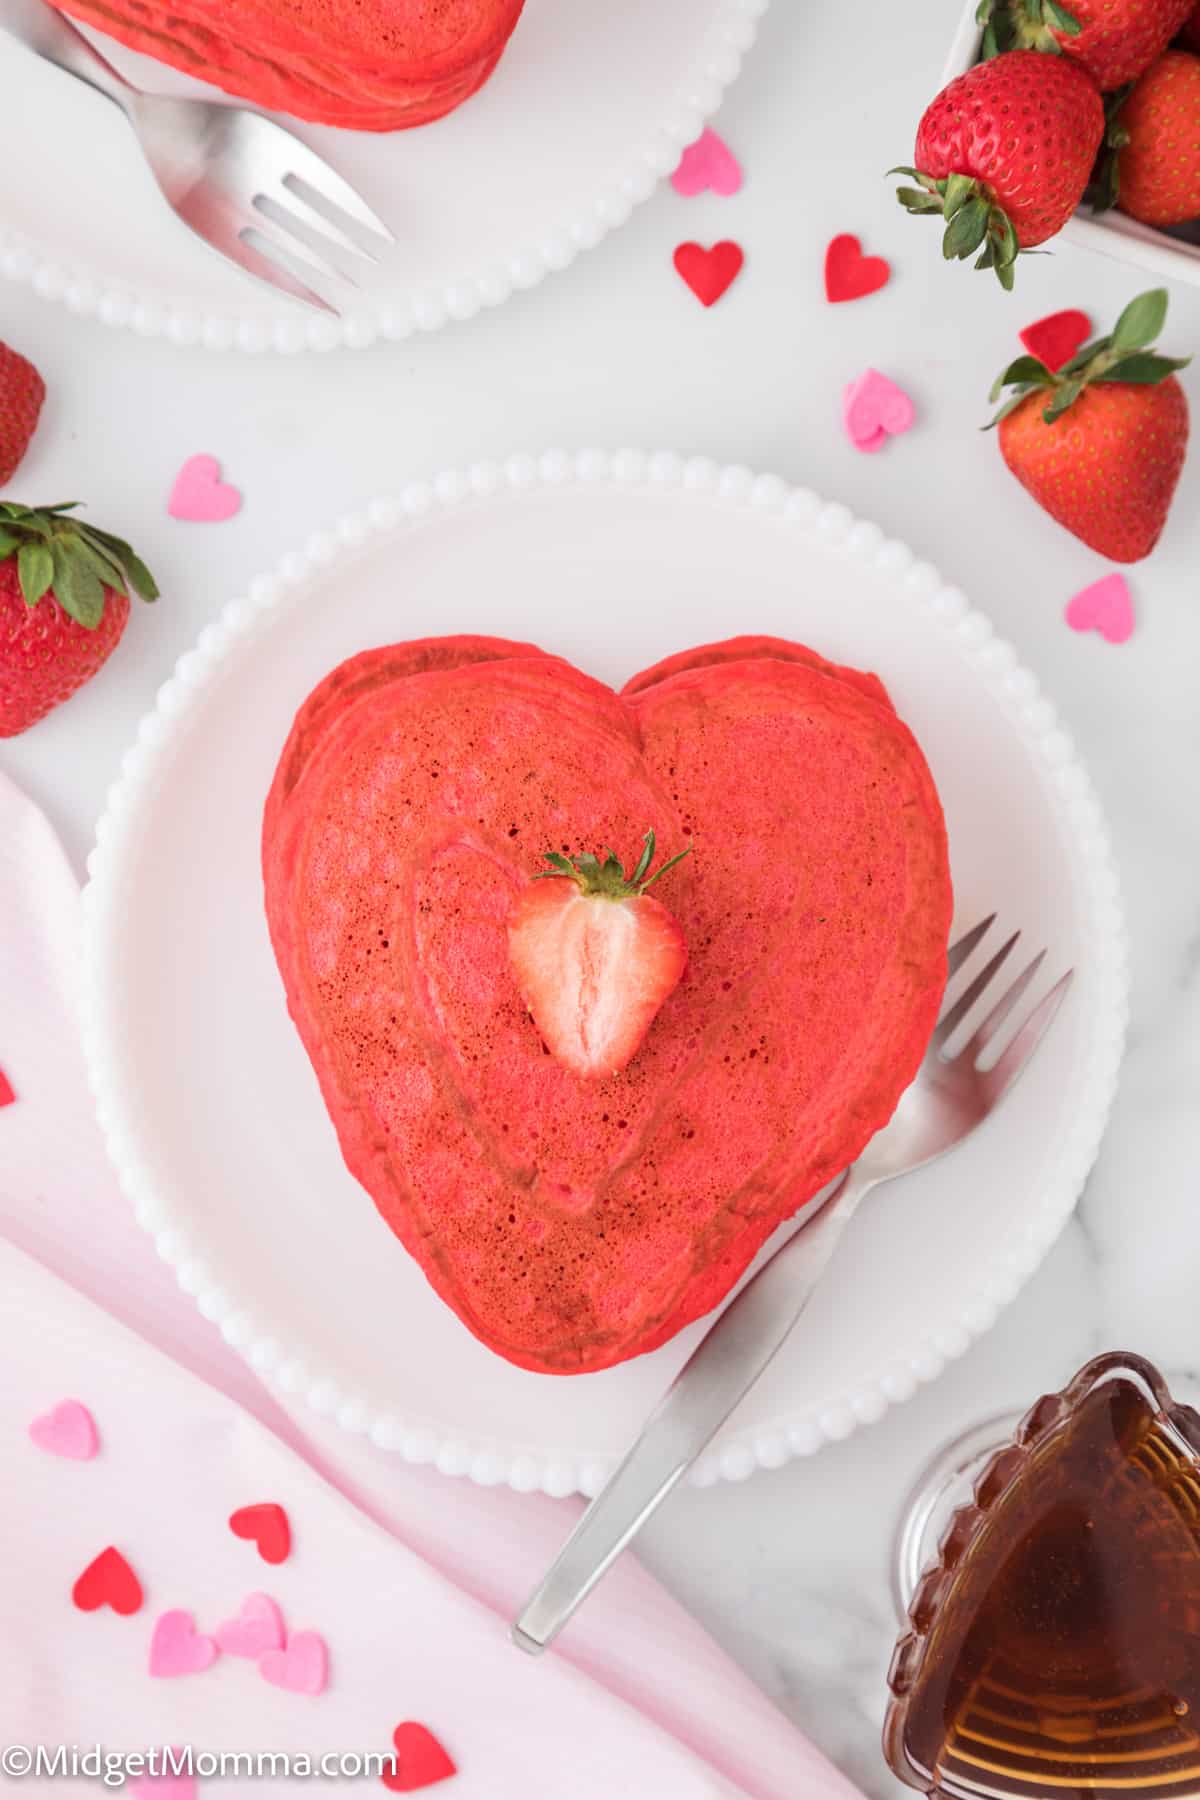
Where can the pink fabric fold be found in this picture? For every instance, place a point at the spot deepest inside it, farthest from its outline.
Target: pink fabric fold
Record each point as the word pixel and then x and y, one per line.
pixel 409 1576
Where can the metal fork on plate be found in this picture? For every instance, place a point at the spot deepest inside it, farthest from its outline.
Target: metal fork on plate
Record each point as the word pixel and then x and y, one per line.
pixel 241 182
pixel 955 1089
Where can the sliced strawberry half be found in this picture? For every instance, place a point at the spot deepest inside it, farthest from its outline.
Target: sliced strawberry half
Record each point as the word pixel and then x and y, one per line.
pixel 595 956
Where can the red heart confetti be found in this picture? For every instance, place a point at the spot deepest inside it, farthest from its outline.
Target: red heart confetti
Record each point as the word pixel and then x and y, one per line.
pixel 7 1095
pixel 420 1760
pixel 108 1581
pixel 267 1526
pixel 849 275
pixel 1054 340
pixel 709 273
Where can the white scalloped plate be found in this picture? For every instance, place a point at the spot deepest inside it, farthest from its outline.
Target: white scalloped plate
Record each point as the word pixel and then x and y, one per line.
pixel 589 108
pixel 212 1114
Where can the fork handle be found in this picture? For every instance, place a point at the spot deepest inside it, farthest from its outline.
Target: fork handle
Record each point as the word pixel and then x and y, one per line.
pixel 49 35
pixel 723 1367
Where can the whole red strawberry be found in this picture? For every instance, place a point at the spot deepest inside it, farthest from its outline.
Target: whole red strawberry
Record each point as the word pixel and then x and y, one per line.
pixel 22 391
pixel 1004 154
pixel 1113 40
pixel 64 603
pixel 1100 444
pixel 1154 172
pixel 595 956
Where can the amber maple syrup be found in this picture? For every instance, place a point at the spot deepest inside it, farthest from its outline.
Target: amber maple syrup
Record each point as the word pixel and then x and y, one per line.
pixel 1055 1647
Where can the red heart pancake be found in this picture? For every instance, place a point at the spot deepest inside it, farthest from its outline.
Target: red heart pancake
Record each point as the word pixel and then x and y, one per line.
pixel 1054 340
pixel 108 1581
pixel 359 64
pixel 266 1526
pixel 572 1223
pixel 849 275
pixel 420 1760
pixel 709 273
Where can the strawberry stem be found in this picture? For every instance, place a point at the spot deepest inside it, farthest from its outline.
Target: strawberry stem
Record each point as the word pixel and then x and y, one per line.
pixel 608 879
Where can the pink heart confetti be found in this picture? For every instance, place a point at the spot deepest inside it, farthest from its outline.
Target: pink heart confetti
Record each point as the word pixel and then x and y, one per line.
pixel 708 163
pixel 258 1627
pixel 163 1787
pixel 7 1091
pixel 875 409
pixel 1106 606
pixel 68 1429
pixel 200 496
pixel 177 1648
pixel 302 1668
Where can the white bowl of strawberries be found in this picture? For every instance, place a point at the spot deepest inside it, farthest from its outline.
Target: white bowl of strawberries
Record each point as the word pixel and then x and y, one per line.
pixel 1116 156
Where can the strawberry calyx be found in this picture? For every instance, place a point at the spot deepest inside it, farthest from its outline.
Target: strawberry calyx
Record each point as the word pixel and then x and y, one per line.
pixel 974 220
pixel 1127 356
pixel 58 554
pixel 1104 189
pixel 1024 25
pixel 607 880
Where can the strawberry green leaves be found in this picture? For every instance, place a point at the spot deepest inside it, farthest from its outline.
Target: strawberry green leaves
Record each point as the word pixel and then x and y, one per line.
pixel 1125 357
pixel 35 568
pixel 77 587
pixel 1055 16
pixel 1025 25
pixel 119 556
pixel 974 223
pixel 1141 321
pixel 1104 190
pixel 608 878
pixel 77 562
pixel 994 30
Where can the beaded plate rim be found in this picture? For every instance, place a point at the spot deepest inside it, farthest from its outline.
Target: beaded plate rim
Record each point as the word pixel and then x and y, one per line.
pixel 1017 690
pixel 91 294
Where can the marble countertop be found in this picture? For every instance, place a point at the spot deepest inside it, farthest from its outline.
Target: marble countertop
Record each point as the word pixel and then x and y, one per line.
pixel 790 1571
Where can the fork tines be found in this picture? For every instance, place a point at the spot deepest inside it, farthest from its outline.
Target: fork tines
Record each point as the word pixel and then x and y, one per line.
pixel 1000 1070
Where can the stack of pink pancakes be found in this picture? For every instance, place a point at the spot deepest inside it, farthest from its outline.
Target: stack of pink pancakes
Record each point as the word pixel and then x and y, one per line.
pixel 371 65
pixel 571 1223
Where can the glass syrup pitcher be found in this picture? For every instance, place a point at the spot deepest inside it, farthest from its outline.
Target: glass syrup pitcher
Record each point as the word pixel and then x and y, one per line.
pixel 1053 1642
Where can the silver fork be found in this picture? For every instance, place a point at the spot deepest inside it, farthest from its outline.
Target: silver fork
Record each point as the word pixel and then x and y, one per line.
pixel 952 1093
pixel 228 173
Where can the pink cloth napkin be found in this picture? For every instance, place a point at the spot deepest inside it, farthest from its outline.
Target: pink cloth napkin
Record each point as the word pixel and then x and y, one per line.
pixel 408 1577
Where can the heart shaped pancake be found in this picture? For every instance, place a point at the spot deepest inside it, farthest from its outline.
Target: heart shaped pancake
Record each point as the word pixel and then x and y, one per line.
pixel 573 1223
pixel 350 63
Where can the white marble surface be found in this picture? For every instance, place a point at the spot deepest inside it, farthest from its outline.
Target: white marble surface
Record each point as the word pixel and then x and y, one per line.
pixel 789 1570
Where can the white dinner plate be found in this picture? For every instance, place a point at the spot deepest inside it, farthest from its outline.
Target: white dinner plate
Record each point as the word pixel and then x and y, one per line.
pixel 209 1106
pixel 589 108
